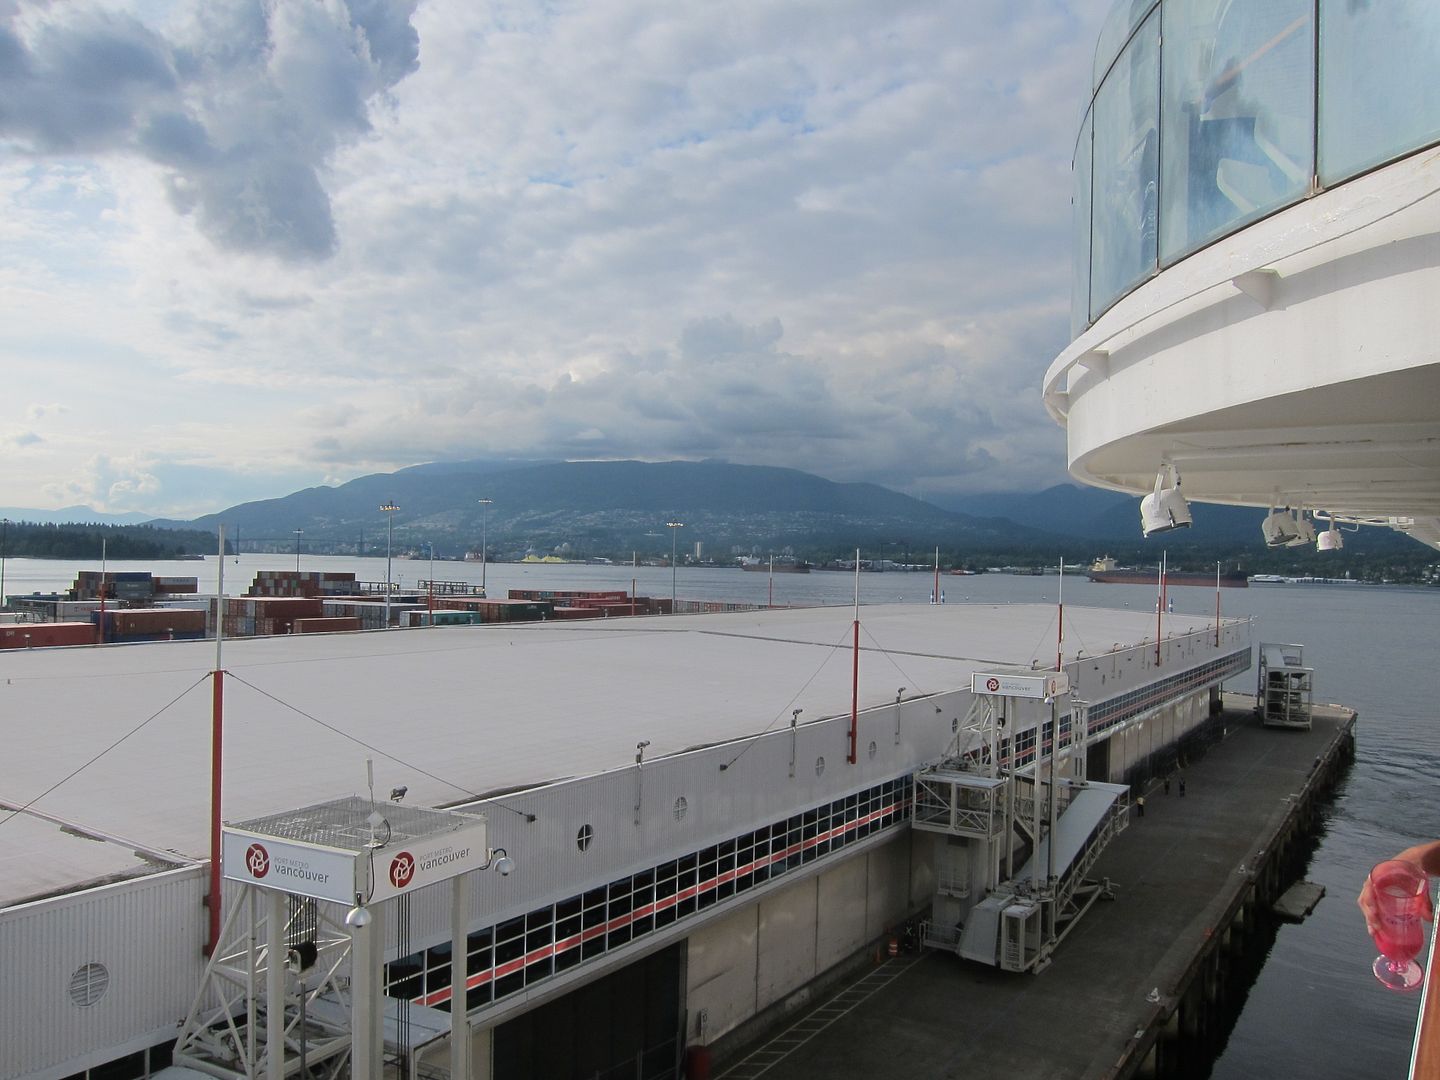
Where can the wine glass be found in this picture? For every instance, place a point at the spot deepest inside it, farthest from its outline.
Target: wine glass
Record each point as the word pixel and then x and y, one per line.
pixel 1399 888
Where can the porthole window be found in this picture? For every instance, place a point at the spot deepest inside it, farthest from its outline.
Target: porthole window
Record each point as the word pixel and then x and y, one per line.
pixel 873 748
pixel 88 984
pixel 583 837
pixel 819 766
pixel 682 807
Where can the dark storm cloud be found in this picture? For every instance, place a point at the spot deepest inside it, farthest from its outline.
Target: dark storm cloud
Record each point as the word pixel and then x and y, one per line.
pixel 243 107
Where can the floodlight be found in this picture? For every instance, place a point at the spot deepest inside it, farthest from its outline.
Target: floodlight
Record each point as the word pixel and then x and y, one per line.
pixel 1330 539
pixel 1164 509
pixel 396 794
pixel 1304 531
pixel 1280 528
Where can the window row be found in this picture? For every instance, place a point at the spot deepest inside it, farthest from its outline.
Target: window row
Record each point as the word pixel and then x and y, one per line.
pixel 1118 709
pixel 521 951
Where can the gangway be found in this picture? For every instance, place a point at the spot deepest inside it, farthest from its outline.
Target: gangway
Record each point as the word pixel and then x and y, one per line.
pixel 1027 917
pixel 992 805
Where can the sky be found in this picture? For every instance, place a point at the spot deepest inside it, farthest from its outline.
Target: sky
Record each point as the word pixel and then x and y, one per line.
pixel 250 246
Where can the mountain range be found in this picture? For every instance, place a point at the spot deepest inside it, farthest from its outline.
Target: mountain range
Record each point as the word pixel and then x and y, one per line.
pixel 595 507
pixel 583 508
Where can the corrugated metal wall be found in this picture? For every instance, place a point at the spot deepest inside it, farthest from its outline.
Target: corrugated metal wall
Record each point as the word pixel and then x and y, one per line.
pixel 148 935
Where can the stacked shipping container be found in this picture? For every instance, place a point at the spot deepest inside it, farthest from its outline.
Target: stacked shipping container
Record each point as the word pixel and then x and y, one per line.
pixel 308 583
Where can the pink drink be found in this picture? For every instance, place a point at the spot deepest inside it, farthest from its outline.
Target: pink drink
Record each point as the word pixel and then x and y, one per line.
pixel 1399 891
pixel 1399 939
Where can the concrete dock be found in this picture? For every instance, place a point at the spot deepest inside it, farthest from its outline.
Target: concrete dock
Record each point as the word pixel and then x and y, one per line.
pixel 1140 979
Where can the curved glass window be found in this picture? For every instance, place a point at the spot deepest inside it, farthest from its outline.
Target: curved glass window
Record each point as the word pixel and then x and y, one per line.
pixel 1120 22
pixel 1125 196
pixel 1379 94
pixel 1232 134
pixel 1238 115
pixel 1080 236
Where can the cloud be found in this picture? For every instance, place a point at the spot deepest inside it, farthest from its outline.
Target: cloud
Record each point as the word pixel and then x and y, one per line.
pixel 241 106
pixel 37 411
pixel 308 240
pixel 21 439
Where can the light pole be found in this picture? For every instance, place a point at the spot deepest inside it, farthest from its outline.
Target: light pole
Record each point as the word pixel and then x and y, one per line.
pixel 484 538
pixel 4 535
pixel 298 533
pixel 673 526
pixel 388 509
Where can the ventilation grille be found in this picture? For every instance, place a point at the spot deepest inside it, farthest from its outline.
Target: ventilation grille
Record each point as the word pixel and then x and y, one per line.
pixel 88 984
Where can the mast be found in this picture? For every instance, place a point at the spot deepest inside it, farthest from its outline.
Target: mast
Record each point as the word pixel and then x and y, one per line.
pixel 1060 621
pixel 1217 605
pixel 102 590
pixel 855 668
pixel 217 748
pixel 1159 605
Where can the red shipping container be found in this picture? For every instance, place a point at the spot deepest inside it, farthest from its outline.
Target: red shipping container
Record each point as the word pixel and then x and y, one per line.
pixel 45 635
pixel 333 624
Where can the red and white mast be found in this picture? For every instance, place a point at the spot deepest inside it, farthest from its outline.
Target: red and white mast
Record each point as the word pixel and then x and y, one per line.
pixel 855 669
pixel 217 749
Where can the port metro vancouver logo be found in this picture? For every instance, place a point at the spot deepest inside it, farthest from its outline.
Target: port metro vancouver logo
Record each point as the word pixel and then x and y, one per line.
pixel 402 869
pixel 992 684
pixel 257 860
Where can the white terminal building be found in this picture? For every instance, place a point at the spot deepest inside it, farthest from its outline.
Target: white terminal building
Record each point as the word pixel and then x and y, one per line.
pixel 1257 242
pixel 692 830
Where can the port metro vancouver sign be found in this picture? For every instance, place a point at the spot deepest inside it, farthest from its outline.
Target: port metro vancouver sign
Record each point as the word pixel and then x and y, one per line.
pixel 370 874
pixel 1042 686
pixel 323 873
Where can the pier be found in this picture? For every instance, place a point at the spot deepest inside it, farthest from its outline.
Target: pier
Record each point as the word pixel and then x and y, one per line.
pixel 1142 983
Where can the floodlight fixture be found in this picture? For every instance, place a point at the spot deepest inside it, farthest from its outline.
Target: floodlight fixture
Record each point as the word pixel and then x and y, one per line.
pixel 1281 528
pixel 1288 528
pixel 1165 509
pixel 1330 539
pixel 1304 530
pixel 396 794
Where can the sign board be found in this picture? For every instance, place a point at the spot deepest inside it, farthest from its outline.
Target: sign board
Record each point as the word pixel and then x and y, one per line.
pixel 403 868
pixel 399 866
pixel 303 869
pixel 1042 686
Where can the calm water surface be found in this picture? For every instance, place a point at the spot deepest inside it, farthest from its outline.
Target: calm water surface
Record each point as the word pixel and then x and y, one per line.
pixel 1315 1010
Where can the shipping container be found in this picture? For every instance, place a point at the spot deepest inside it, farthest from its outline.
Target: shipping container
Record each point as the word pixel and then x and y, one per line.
pixel 575 613
pixel 326 625
pixel 45 635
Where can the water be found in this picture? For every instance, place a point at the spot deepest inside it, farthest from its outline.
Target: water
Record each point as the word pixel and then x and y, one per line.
pixel 1315 1009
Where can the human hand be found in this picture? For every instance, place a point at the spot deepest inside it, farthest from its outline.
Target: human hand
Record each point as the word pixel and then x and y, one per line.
pixel 1424 858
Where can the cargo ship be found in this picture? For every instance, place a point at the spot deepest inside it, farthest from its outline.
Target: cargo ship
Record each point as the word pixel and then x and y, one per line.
pixel 778 566
pixel 1108 572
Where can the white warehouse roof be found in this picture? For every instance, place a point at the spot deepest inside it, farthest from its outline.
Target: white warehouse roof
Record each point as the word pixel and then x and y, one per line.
pixel 480 709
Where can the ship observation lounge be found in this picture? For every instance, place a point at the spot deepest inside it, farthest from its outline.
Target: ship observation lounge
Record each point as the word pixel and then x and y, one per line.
pixel 1257 253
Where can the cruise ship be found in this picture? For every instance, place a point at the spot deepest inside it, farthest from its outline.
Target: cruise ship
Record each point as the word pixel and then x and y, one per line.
pixel 1256 262
pixel 1257 255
